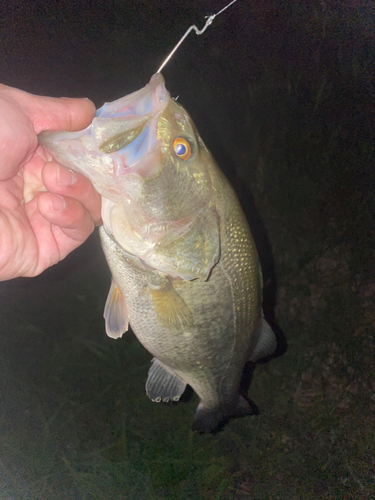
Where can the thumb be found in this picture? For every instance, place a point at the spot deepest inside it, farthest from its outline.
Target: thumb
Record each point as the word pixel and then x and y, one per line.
pixel 49 113
pixel 53 113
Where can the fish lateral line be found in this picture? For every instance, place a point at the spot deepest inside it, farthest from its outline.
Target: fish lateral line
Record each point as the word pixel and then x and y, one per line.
pixel 197 31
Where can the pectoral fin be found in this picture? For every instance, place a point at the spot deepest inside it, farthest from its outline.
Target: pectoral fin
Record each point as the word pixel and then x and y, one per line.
pixel 170 308
pixel 116 318
pixel 162 385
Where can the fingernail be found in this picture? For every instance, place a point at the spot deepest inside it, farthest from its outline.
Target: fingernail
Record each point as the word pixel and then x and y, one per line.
pixel 65 176
pixel 57 203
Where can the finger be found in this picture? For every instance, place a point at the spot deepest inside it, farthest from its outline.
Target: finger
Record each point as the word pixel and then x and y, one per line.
pixel 70 217
pixel 63 181
pixel 62 113
pixel 53 113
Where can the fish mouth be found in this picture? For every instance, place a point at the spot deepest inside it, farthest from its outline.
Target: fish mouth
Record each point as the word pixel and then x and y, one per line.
pixel 126 129
pixel 121 138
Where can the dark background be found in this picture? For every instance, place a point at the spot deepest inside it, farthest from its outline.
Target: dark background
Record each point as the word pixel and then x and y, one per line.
pixel 283 95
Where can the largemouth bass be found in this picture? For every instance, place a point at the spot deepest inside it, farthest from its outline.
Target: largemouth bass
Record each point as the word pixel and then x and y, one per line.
pixel 185 269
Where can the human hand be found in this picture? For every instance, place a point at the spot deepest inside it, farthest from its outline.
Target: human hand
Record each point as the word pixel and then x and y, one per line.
pixel 46 210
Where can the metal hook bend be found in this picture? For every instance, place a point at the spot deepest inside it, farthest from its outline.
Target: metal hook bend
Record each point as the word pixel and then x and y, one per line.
pixel 197 31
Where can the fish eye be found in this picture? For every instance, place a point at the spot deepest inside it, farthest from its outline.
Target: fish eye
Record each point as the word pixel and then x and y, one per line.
pixel 182 148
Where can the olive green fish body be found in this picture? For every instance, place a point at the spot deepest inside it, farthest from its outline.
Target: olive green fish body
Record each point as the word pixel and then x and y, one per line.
pixel 186 273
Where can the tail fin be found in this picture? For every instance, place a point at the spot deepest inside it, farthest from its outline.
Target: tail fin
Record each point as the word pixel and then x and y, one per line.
pixel 213 420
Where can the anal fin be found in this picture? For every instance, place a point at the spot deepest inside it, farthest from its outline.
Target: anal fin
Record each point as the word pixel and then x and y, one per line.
pixel 162 385
pixel 116 318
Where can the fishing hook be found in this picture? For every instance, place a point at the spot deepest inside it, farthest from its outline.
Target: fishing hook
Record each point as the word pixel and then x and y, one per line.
pixel 197 31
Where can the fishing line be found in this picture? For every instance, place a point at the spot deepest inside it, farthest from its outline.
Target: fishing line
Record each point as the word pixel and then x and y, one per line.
pixel 197 31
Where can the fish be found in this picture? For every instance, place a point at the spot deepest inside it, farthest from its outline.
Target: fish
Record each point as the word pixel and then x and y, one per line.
pixel 185 270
